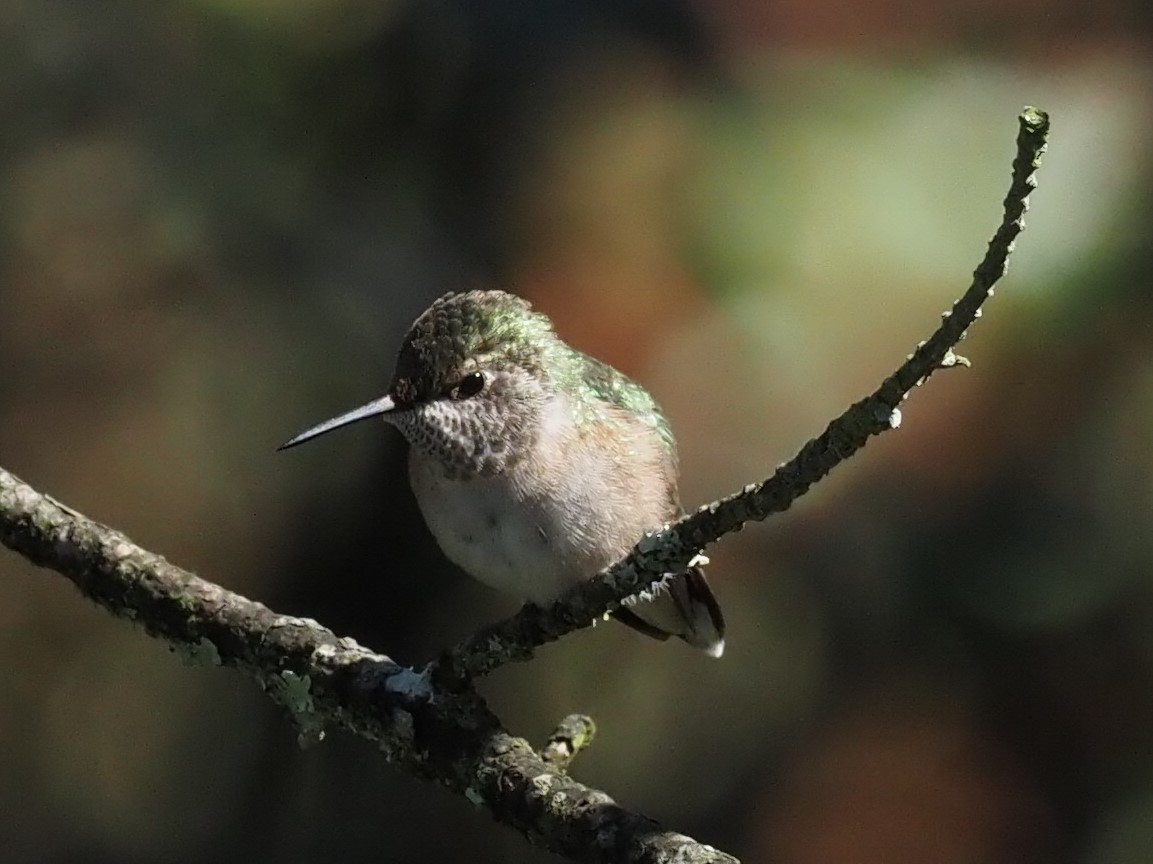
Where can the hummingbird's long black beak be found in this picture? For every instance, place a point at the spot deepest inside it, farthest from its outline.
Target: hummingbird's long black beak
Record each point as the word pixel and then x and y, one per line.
pixel 373 409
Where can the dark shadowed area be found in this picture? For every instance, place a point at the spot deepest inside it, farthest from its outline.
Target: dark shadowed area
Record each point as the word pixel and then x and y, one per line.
pixel 217 220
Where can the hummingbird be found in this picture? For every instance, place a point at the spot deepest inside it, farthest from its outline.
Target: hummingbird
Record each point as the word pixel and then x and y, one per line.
pixel 535 465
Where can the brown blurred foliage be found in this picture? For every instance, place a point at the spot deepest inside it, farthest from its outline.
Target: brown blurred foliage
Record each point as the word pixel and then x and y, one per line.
pixel 219 217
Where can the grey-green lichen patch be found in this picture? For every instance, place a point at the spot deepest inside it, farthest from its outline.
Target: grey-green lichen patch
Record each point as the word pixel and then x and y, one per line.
pixel 123 549
pixel 346 652
pixel 500 747
pixel 403 727
pixel 473 795
pixel 651 542
pixel 542 783
pixel 294 692
pixel 201 653
pixel 295 621
pixel 414 685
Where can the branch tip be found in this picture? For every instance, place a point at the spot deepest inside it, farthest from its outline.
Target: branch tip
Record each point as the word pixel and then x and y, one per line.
pixel 572 735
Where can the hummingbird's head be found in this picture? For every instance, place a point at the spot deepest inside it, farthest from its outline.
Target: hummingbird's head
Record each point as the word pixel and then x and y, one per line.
pixel 473 378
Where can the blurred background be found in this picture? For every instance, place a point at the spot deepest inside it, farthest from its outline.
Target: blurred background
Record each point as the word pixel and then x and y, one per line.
pixel 218 218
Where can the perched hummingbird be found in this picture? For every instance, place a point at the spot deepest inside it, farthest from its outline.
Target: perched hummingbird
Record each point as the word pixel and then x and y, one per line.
pixel 535 465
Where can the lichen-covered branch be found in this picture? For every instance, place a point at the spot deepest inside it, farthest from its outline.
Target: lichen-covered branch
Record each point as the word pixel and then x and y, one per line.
pixel 326 681
pixel 670 550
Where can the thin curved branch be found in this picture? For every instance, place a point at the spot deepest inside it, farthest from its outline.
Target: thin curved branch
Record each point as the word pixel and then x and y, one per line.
pixel 328 681
pixel 671 550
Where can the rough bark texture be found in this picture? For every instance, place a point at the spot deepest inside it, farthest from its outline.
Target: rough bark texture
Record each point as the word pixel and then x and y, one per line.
pixel 324 680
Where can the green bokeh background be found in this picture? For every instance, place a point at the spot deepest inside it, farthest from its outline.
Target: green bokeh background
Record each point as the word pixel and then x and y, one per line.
pixel 217 219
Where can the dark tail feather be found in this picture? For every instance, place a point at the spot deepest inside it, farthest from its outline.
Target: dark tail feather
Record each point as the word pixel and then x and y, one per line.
pixel 632 619
pixel 703 597
pixel 685 608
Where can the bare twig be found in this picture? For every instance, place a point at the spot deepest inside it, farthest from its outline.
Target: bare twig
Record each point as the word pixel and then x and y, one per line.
pixel 670 550
pixel 327 681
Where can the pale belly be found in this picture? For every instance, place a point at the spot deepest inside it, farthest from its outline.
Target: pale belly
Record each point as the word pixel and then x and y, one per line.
pixel 508 540
pixel 535 541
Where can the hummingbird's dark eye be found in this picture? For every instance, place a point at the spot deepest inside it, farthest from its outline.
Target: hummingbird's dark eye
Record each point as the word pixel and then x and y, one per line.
pixel 469 386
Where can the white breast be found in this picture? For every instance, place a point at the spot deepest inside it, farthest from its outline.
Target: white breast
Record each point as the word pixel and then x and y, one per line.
pixel 546 523
pixel 490 530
